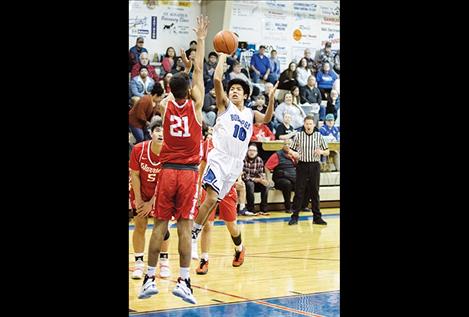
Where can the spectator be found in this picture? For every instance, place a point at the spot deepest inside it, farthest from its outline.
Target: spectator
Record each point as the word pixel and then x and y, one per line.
pixel 312 65
pixel 337 62
pixel 330 132
pixel 192 46
pixel 274 66
pixel 165 82
pixel 144 61
pixel 209 108
pixel 295 91
pixel 282 164
pixel 141 114
pixel 260 66
pixel 288 77
pixel 333 103
pixel 284 130
pixel 336 85
pixel 325 79
pixel 295 111
pixel 209 69
pixel 303 73
pixel 312 96
pixel 254 179
pixel 237 73
pixel 133 101
pixel 259 104
pixel 135 51
pixel 260 130
pixel 325 55
pixel 142 84
pixel 178 65
pixel 169 59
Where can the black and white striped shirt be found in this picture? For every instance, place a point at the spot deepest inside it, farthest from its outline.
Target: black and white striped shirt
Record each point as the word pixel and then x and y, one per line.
pixel 305 144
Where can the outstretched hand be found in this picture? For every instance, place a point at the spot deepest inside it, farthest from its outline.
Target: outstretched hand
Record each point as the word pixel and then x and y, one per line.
pixel 187 62
pixel 202 27
pixel 272 91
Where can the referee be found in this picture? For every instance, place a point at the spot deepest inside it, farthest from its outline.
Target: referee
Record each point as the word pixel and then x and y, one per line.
pixel 308 146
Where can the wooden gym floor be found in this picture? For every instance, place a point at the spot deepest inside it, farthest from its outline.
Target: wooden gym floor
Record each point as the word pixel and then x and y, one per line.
pixel 288 271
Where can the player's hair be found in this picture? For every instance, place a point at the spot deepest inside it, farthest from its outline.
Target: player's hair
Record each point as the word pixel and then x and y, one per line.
pixel 179 85
pixel 157 90
pixel 156 122
pixel 237 81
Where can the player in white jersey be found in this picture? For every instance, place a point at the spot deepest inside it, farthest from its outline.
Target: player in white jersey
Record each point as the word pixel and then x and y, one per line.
pixel 231 136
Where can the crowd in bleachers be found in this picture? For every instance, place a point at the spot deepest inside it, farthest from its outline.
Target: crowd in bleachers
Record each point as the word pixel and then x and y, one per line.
pixel 308 86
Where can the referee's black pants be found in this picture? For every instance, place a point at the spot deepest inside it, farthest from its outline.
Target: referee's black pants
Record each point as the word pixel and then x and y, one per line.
pixel 307 177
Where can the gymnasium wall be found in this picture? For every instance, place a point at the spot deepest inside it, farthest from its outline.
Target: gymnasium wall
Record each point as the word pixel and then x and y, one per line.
pixel 288 26
pixel 163 23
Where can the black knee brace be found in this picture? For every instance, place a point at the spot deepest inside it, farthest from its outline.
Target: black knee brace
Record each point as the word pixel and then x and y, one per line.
pixel 166 236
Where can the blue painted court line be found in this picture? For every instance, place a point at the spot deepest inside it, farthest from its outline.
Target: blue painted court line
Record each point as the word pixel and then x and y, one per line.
pixel 326 304
pixel 251 221
pixel 318 304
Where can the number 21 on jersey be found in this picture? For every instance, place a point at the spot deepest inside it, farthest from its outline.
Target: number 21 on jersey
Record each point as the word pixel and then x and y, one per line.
pixel 175 128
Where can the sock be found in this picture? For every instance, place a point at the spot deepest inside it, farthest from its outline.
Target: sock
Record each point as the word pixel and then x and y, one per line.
pixel 239 248
pixel 237 240
pixel 205 256
pixel 164 258
pixel 151 271
pixel 138 256
pixel 184 273
pixel 241 206
pixel 196 230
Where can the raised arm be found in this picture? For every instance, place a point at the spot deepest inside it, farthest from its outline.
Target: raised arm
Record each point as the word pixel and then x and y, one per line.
pixel 198 76
pixel 220 96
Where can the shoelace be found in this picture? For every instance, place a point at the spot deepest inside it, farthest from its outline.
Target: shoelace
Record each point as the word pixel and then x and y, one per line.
pixel 202 263
pixel 237 254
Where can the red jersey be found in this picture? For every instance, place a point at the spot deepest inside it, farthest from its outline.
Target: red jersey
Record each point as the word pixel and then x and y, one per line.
pixel 207 147
pixel 143 160
pixel 182 134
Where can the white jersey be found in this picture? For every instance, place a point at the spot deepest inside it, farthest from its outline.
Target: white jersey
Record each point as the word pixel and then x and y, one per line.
pixel 231 136
pixel 232 131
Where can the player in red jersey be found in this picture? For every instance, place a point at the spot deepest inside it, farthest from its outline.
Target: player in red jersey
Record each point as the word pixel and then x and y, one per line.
pixel 177 190
pixel 145 166
pixel 227 208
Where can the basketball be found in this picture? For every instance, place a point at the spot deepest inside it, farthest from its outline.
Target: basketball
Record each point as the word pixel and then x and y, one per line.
pixel 225 42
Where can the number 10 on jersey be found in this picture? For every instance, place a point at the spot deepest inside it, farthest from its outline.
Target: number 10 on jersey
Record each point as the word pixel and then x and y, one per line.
pixel 239 132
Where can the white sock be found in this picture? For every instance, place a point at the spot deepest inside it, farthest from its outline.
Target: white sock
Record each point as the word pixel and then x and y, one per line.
pixel 239 247
pixel 241 206
pixel 184 273
pixel 151 271
pixel 205 256
pixel 196 229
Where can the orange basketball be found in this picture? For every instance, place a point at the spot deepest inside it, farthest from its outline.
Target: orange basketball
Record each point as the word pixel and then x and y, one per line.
pixel 225 42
